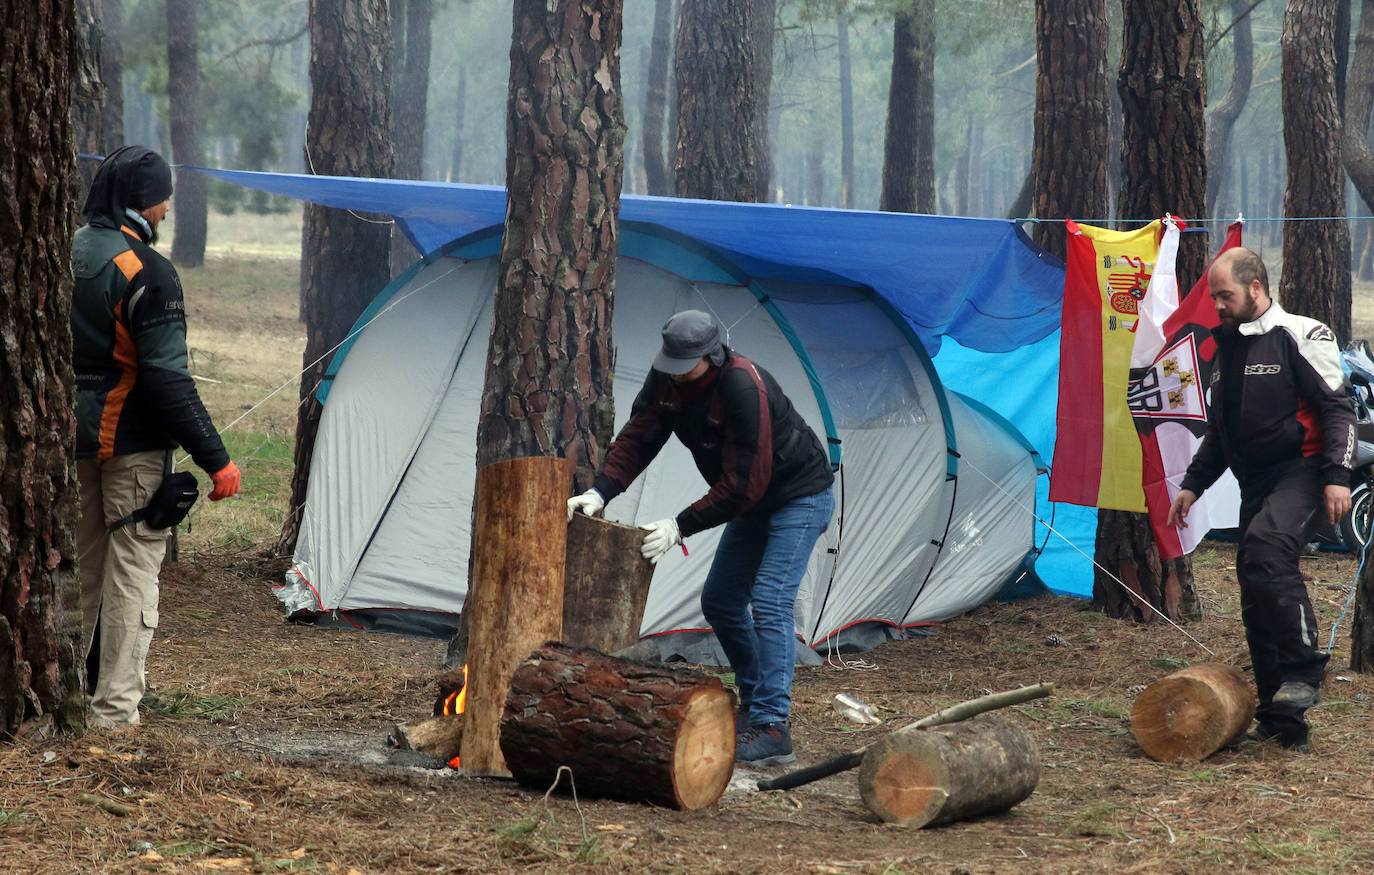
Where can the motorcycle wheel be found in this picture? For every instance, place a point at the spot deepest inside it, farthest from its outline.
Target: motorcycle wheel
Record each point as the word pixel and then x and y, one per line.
pixel 1355 526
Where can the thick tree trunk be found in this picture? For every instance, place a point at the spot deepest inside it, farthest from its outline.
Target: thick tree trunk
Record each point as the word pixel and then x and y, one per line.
pixel 409 100
pixel 909 139
pixel 1163 129
pixel 515 600
pixel 343 254
pixel 88 91
pixel 947 773
pixel 715 155
pixel 1316 254
pixel 1362 626
pixel 765 15
pixel 1190 714
pixel 605 584
pixel 1134 575
pixel 40 599
pixel 187 129
pixel 112 73
pixel 1359 157
pixel 656 102
pixel 1069 155
pixel 627 731
pixel 1222 119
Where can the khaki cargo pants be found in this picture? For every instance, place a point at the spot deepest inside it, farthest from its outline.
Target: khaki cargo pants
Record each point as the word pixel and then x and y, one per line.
pixel 118 572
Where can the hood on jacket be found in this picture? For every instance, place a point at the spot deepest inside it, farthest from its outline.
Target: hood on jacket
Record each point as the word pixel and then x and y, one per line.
pixel 132 177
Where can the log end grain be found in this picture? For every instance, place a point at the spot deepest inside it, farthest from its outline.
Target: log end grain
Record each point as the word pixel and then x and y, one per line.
pixel 704 755
pixel 908 785
pixel 1192 713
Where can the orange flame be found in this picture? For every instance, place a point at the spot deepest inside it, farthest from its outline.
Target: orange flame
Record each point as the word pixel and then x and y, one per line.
pixel 456 703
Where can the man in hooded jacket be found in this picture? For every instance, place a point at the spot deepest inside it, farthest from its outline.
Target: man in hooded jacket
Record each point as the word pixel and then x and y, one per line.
pixel 135 403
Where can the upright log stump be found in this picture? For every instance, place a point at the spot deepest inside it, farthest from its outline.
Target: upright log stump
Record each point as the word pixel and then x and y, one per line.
pixel 605 584
pixel 626 730
pixel 516 596
pixel 946 773
pixel 1192 713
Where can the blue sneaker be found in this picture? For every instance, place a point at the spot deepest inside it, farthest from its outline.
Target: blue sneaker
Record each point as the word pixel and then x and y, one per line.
pixel 765 744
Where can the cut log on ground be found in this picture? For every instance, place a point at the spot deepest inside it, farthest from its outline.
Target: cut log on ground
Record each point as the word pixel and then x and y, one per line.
pixel 1192 713
pixel 641 733
pixel 946 773
pixel 605 584
pixel 441 736
pixel 962 711
pixel 516 598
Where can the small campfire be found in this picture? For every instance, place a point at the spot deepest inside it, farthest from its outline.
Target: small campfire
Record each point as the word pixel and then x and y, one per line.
pixel 442 734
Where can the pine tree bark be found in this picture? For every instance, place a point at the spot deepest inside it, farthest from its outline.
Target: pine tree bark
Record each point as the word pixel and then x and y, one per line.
pixel 1359 157
pixel 409 98
pixel 1222 119
pixel 343 254
pixel 846 110
pixel 656 102
pixel 112 73
pixel 455 166
pixel 715 155
pixel 909 140
pixel 187 130
pixel 765 13
pixel 40 600
pixel 88 91
pixel 1069 154
pixel 1316 254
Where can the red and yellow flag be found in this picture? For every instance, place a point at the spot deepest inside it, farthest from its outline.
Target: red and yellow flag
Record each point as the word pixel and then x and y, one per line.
pixel 1097 459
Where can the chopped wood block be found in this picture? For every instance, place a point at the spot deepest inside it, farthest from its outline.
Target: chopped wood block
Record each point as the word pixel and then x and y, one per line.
pixel 1192 713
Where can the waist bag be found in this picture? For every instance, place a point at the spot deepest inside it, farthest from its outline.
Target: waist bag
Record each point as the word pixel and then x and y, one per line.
pixel 168 505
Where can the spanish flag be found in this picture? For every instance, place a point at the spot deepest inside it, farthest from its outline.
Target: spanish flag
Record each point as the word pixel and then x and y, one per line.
pixel 1097 459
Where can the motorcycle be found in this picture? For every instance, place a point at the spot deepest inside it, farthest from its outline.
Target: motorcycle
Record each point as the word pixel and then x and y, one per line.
pixel 1353 531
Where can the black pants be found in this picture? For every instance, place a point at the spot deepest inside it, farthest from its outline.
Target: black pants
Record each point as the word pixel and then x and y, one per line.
pixel 1275 517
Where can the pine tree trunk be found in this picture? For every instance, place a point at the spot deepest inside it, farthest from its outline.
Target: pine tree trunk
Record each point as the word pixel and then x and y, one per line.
pixel 1129 577
pixel 1359 97
pixel 1069 155
pixel 656 102
pixel 409 99
pixel 765 13
pixel 188 125
pixel 1222 118
pixel 455 166
pixel 715 155
pixel 909 140
pixel 1316 254
pixel 343 254
pixel 112 73
pixel 40 599
pixel 88 92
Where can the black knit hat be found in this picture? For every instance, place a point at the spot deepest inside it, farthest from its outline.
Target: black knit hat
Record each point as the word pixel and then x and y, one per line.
pixel 135 177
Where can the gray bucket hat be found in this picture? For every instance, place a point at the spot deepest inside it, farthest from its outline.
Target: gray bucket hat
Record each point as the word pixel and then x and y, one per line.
pixel 687 338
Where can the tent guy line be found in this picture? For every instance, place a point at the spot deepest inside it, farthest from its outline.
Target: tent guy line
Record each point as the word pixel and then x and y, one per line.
pixel 1135 595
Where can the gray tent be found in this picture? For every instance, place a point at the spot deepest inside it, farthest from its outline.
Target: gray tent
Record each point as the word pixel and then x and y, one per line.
pixel 934 493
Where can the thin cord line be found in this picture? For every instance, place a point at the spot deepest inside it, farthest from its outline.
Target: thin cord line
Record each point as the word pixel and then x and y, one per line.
pixel 964 460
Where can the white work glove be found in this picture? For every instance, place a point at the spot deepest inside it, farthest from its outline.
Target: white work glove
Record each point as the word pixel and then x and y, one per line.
pixel 662 535
pixel 590 502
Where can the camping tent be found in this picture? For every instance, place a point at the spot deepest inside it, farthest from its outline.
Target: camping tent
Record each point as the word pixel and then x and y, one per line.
pixel 981 298
pixel 920 536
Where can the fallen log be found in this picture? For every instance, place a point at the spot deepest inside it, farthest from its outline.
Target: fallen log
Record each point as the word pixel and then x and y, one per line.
pixel 641 733
pixel 1192 713
pixel 962 711
pixel 441 736
pixel 946 773
pixel 605 584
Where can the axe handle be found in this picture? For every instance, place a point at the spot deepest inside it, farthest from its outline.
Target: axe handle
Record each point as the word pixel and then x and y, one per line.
pixel 842 763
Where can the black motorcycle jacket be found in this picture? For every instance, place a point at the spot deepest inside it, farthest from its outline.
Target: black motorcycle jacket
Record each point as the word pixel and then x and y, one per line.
pixel 1277 396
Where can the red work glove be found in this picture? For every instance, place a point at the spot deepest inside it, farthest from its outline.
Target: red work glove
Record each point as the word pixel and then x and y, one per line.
pixel 226 482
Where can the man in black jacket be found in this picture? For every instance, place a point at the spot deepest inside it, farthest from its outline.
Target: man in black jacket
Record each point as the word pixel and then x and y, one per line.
pixel 1282 422
pixel 135 402
pixel 769 484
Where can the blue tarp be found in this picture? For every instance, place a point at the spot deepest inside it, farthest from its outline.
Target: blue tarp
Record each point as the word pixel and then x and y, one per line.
pixel 979 282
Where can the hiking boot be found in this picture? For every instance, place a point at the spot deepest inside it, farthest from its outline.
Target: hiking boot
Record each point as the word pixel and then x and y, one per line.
pixel 1263 734
pixel 1260 734
pixel 765 744
pixel 1296 694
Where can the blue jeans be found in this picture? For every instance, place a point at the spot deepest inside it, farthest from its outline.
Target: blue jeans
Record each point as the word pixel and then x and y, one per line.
pixel 759 564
